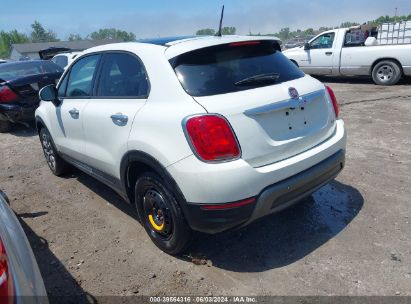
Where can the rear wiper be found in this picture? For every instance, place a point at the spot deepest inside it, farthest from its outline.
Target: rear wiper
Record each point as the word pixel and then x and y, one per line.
pixel 262 78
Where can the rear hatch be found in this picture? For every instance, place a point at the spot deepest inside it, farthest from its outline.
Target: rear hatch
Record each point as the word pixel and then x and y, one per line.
pixel 274 109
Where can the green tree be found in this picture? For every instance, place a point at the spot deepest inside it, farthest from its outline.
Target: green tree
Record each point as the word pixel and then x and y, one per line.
pixel 228 30
pixel 348 24
pixel 325 28
pixel 74 37
pixel 9 38
pixel 284 33
pixel 112 33
pixel 309 31
pixel 205 32
pixel 40 34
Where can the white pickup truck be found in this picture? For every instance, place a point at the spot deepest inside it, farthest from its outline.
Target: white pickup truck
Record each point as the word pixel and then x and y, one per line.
pixel 331 53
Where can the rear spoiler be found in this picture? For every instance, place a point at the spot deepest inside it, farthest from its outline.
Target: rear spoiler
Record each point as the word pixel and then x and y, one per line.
pixel 51 52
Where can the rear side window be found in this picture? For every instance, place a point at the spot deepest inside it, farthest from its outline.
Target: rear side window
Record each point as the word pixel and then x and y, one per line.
pixel 230 67
pixel 80 81
pixel 122 75
pixel 51 67
pixel 62 61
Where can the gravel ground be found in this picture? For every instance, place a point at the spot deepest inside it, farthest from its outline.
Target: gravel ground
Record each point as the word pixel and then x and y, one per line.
pixel 351 238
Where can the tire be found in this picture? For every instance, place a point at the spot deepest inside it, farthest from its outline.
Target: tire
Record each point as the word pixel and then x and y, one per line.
pixel 160 214
pixel 56 164
pixel 386 73
pixel 4 126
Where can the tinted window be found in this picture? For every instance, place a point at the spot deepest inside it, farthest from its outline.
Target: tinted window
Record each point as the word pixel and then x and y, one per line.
pixel 323 42
pixel 80 82
pixel 16 70
pixel 122 75
pixel 219 69
pixel 62 61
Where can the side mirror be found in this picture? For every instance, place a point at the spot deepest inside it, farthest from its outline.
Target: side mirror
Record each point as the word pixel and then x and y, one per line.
pixel 306 46
pixel 49 93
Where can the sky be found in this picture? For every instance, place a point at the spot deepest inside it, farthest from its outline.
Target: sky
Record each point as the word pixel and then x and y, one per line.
pixel 160 18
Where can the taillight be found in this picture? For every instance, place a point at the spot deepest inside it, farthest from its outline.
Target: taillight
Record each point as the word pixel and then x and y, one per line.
pixel 7 95
pixel 244 43
pixel 212 138
pixel 6 281
pixel 334 101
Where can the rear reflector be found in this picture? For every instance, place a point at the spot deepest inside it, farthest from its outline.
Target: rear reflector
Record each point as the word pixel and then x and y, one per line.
pixel 7 95
pixel 334 101
pixel 242 203
pixel 6 281
pixel 244 43
pixel 212 138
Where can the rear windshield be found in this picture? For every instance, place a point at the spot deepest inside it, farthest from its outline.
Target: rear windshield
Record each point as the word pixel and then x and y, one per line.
pixel 22 69
pixel 228 68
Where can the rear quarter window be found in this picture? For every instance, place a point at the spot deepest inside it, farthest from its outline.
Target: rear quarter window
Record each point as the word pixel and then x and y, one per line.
pixel 218 69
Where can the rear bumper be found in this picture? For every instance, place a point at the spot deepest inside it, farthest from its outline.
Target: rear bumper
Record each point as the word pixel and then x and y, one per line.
pixel 273 198
pixel 16 112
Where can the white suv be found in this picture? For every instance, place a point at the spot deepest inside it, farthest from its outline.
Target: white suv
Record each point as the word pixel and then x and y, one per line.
pixel 202 133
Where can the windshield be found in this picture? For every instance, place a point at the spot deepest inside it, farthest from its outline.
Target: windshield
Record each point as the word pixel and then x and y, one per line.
pixel 220 69
pixel 23 69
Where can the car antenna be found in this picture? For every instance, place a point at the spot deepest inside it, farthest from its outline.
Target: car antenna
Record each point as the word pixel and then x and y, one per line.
pixel 221 23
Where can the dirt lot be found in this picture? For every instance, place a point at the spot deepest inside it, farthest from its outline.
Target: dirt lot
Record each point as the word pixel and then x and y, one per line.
pixel 352 238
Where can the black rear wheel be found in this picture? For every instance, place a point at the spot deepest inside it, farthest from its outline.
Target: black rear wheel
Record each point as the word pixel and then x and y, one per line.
pixel 56 164
pixel 161 214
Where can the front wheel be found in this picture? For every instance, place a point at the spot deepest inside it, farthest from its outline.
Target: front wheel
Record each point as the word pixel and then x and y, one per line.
pixel 56 164
pixel 386 72
pixel 161 214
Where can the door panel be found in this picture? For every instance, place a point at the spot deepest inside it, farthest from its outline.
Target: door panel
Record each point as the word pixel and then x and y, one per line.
pixel 107 126
pixel 121 91
pixel 74 92
pixel 319 58
pixel 69 125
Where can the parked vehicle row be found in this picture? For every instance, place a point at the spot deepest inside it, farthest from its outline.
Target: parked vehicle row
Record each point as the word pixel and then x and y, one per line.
pixel 333 53
pixel 203 134
pixel 20 83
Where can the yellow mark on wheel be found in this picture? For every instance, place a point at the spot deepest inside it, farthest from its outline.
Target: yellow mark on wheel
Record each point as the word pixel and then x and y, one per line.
pixel 153 223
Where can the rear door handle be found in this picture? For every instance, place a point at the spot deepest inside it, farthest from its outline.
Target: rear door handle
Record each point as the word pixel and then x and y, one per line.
pixel 74 111
pixel 119 117
pixel 328 53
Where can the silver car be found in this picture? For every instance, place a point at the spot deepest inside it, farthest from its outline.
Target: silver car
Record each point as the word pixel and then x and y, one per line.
pixel 20 277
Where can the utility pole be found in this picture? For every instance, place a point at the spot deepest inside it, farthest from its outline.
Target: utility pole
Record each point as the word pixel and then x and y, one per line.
pixel 396 10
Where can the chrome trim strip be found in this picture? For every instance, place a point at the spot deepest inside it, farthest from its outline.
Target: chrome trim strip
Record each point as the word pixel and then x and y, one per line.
pixel 285 104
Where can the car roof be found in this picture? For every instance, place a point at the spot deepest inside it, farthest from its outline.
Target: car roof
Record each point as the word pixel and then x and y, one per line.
pixel 165 41
pixel 174 46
